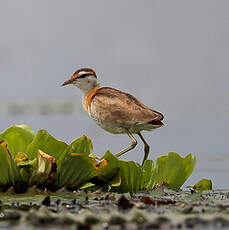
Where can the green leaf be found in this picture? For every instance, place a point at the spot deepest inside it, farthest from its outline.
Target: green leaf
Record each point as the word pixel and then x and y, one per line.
pixel 174 170
pixel 9 172
pixel 26 169
pixel 18 138
pixel 132 177
pixel 77 169
pixel 81 145
pixel 87 186
pixel 111 175
pixel 189 163
pixel 123 176
pixel 203 185
pixel 150 174
pixel 46 143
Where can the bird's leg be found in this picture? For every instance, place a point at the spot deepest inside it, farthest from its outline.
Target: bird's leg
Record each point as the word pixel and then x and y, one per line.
pixel 133 144
pixel 146 148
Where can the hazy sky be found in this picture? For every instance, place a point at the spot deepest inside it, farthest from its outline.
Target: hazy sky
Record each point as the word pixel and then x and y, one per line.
pixel 173 55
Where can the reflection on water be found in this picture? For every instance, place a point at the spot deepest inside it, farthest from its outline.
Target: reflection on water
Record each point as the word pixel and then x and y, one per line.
pixel 38 107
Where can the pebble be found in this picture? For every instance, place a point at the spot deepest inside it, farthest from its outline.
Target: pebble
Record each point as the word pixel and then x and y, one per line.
pixel 46 201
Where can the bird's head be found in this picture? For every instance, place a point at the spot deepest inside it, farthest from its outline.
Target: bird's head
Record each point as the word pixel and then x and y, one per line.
pixel 84 78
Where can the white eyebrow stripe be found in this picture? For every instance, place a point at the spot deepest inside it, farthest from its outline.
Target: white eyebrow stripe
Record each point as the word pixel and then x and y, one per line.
pixel 85 72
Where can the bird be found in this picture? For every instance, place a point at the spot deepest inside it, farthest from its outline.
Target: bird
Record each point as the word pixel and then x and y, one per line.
pixel 115 111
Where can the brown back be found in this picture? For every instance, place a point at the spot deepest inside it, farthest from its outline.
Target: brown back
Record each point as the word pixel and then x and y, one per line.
pixel 109 104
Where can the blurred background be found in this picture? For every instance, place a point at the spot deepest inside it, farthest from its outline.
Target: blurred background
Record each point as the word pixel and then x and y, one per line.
pixel 172 55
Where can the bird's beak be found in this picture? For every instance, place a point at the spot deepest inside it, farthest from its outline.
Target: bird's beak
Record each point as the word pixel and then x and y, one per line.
pixel 68 82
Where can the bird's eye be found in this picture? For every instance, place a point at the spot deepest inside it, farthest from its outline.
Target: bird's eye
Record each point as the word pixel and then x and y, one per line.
pixel 84 75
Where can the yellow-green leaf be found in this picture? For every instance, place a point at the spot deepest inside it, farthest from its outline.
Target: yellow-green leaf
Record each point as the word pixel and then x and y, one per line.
pixel 46 143
pixel 203 185
pixel 81 145
pixel 77 169
pixel 17 137
pixel 9 172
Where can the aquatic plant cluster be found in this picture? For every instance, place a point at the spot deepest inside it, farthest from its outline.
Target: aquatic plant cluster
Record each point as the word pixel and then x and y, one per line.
pixel 28 159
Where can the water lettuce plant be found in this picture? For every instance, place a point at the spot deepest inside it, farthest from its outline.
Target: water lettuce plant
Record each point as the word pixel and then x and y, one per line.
pixel 202 185
pixel 28 159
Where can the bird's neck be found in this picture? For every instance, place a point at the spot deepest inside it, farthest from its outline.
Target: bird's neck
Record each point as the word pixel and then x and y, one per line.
pixel 86 91
pixel 88 96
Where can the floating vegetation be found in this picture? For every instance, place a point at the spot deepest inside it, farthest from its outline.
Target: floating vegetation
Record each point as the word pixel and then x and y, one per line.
pixel 28 159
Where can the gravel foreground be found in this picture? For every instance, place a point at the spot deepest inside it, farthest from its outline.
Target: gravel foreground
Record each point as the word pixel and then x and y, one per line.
pixel 157 209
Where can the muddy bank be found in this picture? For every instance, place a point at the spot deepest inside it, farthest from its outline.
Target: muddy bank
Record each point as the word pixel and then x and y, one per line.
pixel 156 209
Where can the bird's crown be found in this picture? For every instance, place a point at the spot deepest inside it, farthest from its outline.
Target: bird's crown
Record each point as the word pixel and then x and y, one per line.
pixel 83 72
